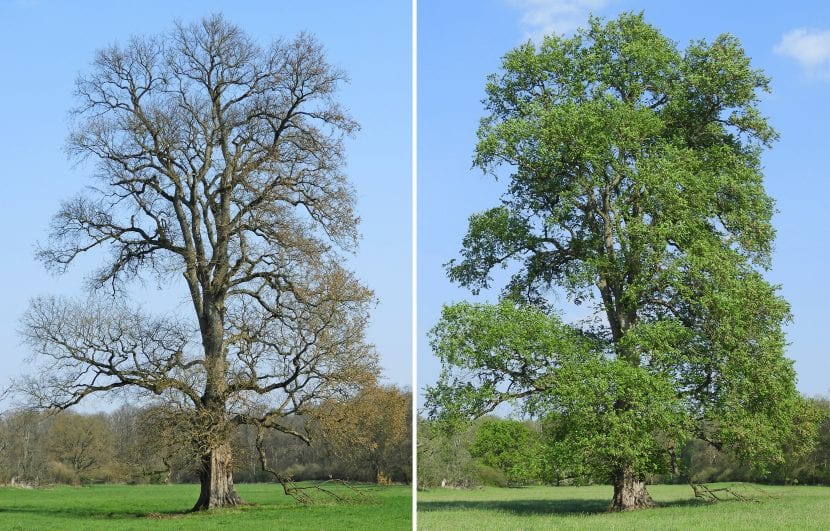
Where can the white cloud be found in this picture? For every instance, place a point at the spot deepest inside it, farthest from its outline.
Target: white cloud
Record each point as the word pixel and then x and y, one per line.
pixel 810 47
pixel 543 17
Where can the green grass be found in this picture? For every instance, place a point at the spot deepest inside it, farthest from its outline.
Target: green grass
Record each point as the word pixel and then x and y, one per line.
pixel 165 506
pixel 586 508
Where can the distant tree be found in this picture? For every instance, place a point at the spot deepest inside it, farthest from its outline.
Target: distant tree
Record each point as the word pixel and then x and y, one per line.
pixel 510 446
pixel 819 459
pixel 139 445
pixel 702 462
pixel 371 433
pixel 636 187
pixel 23 458
pixel 813 466
pixel 444 457
pixel 80 443
pixel 219 163
pixel 291 456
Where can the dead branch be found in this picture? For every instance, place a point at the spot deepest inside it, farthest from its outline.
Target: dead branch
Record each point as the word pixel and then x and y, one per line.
pixel 305 495
pixel 714 495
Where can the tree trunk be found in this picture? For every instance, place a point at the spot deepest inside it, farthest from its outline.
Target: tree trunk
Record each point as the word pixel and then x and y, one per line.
pixel 216 478
pixel 629 491
pixel 216 467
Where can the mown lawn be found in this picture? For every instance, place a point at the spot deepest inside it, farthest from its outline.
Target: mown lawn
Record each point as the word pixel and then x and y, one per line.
pixel 586 508
pixel 165 506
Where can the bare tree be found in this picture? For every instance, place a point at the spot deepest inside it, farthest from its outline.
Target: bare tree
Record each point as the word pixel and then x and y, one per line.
pixel 22 459
pixel 80 443
pixel 222 162
pixel 371 434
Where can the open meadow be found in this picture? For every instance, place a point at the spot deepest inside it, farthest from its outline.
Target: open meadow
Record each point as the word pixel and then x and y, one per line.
pixel 491 508
pixel 165 506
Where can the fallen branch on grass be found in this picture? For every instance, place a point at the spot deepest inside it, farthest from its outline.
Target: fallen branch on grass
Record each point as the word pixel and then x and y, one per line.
pixel 713 495
pixel 305 495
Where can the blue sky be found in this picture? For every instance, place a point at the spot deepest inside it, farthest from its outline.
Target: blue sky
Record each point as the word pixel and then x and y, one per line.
pixel 44 45
pixel 460 43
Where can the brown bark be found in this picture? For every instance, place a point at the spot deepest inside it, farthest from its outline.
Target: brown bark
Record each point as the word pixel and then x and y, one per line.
pixel 216 467
pixel 629 491
pixel 216 478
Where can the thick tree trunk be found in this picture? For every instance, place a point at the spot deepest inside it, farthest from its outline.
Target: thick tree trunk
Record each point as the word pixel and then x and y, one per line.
pixel 629 491
pixel 216 478
pixel 216 467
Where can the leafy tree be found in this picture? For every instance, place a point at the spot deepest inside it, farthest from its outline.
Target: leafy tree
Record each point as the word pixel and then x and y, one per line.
pixel 703 463
pixel 819 459
pixel 444 457
pixel 813 466
pixel 635 188
pixel 510 446
pixel 219 163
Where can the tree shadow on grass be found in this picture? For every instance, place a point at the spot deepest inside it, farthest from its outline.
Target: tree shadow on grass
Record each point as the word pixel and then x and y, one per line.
pixel 519 507
pixel 81 513
pixel 539 507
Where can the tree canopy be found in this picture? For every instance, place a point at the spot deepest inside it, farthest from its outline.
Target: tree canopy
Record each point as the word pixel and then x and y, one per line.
pixel 509 446
pixel 636 189
pixel 219 163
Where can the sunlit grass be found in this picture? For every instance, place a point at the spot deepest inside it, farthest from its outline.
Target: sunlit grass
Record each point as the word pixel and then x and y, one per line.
pixel 166 506
pixel 586 508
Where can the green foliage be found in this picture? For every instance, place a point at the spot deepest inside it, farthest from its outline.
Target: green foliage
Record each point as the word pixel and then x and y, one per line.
pixel 488 476
pixel 636 189
pixel 590 435
pixel 449 458
pixel 806 458
pixel 497 344
pixel 517 352
pixel 511 447
pixel 816 464
pixel 444 456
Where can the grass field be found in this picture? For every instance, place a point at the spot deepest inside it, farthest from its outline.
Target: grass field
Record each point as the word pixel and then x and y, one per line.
pixel 164 506
pixel 585 508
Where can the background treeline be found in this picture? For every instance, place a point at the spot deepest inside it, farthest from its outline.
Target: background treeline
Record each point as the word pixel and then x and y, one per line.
pixel 367 438
pixel 501 452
